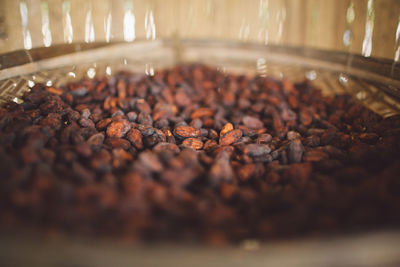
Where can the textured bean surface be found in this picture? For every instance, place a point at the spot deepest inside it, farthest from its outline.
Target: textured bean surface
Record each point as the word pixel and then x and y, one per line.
pixel 192 153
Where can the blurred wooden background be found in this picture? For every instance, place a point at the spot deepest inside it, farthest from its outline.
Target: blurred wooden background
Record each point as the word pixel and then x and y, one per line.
pixel 368 27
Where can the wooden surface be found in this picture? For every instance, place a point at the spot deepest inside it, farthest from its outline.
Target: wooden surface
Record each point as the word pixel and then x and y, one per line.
pixel 313 23
pixel 357 250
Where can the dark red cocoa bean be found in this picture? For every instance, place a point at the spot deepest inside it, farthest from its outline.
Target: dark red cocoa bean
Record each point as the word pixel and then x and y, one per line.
pixel 252 122
pixel 101 125
pixel 370 138
pixel 196 152
pixel 115 142
pixel 328 136
pixel 86 123
pixel 230 137
pixel 118 129
pixel 186 131
pixel 96 139
pixel 135 137
pixel 256 150
pixel 194 143
pixel 164 147
pixel 202 112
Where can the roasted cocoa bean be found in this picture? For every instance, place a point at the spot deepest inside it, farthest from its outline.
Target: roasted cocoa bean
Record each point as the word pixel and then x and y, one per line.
pixel 135 137
pixel 196 152
pixel 194 143
pixel 252 122
pixel 118 128
pixel 230 137
pixel 227 128
pixel 187 131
